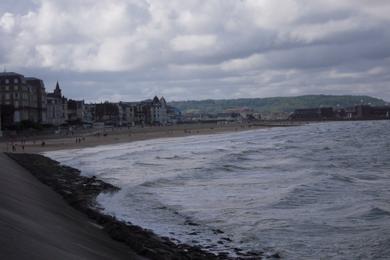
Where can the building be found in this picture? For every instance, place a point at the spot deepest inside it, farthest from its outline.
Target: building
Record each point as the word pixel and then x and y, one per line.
pixel 322 113
pixel 155 111
pixel 107 113
pixel 75 111
pixel 38 97
pixel 1 118
pixel 148 112
pixel 89 113
pixel 367 112
pixel 359 112
pixel 163 112
pixel 57 107
pixel 23 97
pixel 174 115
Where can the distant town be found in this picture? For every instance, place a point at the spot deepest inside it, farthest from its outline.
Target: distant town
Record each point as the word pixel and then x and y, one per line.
pixel 25 104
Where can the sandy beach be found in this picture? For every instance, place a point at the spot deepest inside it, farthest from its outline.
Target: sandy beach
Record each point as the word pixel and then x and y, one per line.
pixel 117 135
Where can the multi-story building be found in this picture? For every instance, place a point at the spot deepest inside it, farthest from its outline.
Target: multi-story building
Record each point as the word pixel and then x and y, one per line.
pixel 23 98
pixel 107 113
pixel 75 111
pixel 163 112
pixel 57 107
pixel 148 112
pixel 89 113
pixel 38 97
pixel 155 111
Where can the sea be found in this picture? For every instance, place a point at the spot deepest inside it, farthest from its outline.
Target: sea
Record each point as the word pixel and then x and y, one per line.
pixel 316 191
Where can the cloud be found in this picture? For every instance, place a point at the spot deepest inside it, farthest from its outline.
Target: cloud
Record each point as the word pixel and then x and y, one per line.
pixel 209 48
pixel 7 22
pixel 193 42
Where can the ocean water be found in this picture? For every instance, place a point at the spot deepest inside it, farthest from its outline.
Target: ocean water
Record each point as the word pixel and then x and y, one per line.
pixel 317 191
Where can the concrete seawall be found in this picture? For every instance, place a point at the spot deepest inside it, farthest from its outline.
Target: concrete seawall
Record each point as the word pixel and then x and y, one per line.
pixel 36 223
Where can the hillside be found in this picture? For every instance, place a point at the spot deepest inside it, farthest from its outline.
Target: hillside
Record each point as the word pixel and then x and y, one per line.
pixel 275 104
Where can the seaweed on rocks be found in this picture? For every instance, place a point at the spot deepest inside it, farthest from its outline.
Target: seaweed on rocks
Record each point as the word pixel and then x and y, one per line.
pixel 81 192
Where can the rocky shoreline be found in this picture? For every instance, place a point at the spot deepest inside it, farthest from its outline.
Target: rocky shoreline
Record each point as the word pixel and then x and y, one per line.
pixel 80 192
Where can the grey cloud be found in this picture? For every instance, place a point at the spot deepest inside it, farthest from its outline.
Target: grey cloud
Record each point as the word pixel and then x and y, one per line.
pixel 126 49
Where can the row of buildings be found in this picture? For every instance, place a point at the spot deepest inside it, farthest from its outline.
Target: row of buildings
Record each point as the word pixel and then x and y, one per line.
pixel 147 112
pixel 24 99
pixel 358 112
pixel 242 115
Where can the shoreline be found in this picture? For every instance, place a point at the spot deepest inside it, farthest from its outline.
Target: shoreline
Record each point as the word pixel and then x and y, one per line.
pixel 122 135
pixel 80 192
pixel 77 191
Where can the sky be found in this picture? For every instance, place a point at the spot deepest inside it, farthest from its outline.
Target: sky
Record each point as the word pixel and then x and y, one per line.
pixel 129 50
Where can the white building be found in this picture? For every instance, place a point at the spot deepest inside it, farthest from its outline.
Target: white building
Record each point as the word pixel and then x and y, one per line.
pixel 56 107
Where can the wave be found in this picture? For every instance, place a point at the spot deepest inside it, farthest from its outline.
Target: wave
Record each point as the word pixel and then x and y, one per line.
pixel 376 213
pixel 338 177
pixel 146 164
pixel 174 157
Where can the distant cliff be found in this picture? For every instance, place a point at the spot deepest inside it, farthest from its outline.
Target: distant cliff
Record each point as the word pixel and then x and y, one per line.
pixel 275 104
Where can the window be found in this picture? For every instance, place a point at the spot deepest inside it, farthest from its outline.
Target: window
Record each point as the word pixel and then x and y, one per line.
pixel 16 88
pixel 7 96
pixel 16 81
pixel 7 88
pixel 6 81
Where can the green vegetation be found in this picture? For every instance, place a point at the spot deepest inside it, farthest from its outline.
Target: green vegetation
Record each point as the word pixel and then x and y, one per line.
pixel 275 104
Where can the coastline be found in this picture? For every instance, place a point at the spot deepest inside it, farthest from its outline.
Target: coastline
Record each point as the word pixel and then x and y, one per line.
pixel 123 135
pixel 80 192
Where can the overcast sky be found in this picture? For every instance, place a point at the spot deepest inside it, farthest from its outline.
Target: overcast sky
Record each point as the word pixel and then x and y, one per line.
pixel 197 49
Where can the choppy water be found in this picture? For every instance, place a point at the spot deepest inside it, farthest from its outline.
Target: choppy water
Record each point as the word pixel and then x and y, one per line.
pixel 317 191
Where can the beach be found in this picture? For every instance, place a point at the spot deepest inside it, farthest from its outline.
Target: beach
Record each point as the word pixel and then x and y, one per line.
pixel 95 137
